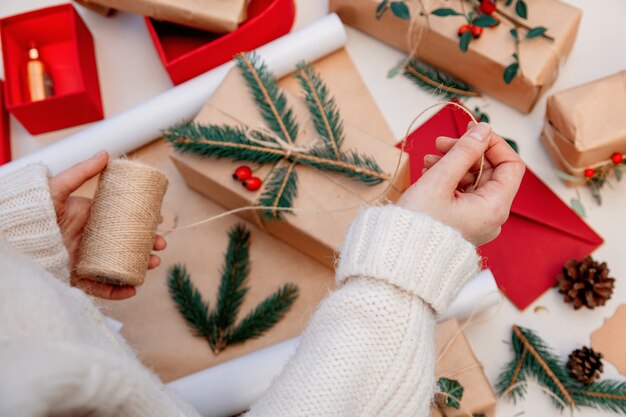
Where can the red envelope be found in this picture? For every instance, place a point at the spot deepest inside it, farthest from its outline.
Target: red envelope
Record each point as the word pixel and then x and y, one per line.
pixel 541 234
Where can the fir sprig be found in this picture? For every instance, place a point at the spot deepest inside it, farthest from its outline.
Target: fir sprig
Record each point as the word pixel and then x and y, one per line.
pixel 433 80
pixel 242 143
pixel 218 326
pixel 533 358
pixel 322 107
pixel 268 96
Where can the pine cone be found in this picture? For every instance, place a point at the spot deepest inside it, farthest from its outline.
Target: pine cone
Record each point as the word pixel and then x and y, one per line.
pixel 586 283
pixel 585 365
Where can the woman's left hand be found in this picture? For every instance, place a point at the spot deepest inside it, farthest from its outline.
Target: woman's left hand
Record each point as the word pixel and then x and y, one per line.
pixel 72 215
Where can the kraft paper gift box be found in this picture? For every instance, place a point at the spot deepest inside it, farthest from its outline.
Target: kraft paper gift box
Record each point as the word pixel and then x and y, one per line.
pixel 327 202
pixel 586 125
pixel 456 360
pixel 483 64
pixel 217 16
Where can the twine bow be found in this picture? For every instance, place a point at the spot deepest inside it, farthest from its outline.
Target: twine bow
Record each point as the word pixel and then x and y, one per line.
pixel 257 134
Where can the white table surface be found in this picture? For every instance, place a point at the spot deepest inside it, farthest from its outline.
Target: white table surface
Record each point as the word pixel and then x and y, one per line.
pixel 131 72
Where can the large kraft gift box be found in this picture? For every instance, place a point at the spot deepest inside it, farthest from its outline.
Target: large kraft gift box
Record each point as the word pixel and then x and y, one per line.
pixel 483 64
pixel 456 360
pixel 326 202
pixel 217 16
pixel 152 324
pixel 586 125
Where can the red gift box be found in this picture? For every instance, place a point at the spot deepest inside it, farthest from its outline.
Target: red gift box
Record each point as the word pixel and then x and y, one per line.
pixel 187 52
pixel 66 48
pixel 541 234
pixel 5 130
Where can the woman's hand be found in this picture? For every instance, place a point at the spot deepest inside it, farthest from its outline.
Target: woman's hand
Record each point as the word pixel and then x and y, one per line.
pixel 72 215
pixel 446 191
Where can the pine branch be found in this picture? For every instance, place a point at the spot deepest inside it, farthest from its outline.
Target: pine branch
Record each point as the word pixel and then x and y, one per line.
pixel 190 304
pixel 609 395
pixel 220 142
pixel 280 191
pixel 512 375
pixel 268 96
pixel 322 107
pixel 265 315
pixel 433 80
pixel 352 164
pixel 234 273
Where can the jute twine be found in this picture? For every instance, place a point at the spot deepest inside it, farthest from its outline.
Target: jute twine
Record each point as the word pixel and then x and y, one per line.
pixel 119 235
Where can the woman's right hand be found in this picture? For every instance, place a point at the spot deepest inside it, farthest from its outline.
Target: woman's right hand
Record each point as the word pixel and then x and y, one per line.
pixel 446 191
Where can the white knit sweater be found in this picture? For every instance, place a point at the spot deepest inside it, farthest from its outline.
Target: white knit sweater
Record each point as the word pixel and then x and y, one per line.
pixel 367 351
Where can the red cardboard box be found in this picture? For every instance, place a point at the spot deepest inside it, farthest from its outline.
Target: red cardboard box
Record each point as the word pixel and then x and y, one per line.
pixel 187 52
pixel 5 130
pixel 66 48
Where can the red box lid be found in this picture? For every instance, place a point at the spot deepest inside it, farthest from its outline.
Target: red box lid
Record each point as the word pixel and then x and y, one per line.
pixel 66 48
pixel 187 52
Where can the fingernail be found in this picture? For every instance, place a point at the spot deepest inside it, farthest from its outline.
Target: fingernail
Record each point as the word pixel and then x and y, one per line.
pixel 429 157
pixel 480 132
pixel 99 154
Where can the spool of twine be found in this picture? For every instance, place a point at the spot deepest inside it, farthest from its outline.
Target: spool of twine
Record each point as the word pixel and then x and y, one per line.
pixel 119 235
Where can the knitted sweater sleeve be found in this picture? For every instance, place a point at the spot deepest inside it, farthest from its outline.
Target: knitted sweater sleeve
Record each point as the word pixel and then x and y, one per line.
pixel 369 348
pixel 28 221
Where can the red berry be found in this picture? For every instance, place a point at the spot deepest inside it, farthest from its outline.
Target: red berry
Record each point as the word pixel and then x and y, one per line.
pixel 487 6
pixel 242 173
pixel 589 172
pixel 476 31
pixel 464 29
pixel 617 158
pixel 253 183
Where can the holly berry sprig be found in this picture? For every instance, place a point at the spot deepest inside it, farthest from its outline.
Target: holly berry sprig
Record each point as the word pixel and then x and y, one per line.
pixel 596 179
pixel 250 182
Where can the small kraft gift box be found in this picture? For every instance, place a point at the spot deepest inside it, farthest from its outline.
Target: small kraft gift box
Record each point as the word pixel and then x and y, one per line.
pixel 56 41
pixel 585 128
pixel 325 201
pixel 187 52
pixel 434 40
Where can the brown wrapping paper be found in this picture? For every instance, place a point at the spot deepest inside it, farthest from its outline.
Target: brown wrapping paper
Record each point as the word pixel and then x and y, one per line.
pixel 483 64
pixel 586 124
pixel 459 363
pixel 153 326
pixel 319 230
pixel 218 16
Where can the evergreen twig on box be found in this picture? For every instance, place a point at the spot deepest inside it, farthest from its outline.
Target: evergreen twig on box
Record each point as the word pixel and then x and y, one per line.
pixel 218 326
pixel 534 359
pixel 278 145
pixel 434 80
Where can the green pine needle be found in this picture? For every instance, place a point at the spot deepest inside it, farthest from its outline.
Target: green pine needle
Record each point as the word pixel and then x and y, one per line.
pixel 218 326
pixel 354 165
pixel 434 80
pixel 265 315
pixel 533 358
pixel 322 107
pixel 234 273
pixel 189 302
pixel 268 96
pixel 280 190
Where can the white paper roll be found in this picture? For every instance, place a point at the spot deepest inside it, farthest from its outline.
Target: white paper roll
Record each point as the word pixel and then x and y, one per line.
pixel 229 388
pixel 140 125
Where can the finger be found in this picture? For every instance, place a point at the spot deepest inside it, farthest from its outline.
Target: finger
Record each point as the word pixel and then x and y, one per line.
pixel 508 167
pixel 159 243
pixel 154 262
pixel 444 144
pixel 430 160
pixel 459 160
pixel 105 291
pixel 68 181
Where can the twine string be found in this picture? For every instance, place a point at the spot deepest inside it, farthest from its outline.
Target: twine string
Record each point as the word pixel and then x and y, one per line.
pixel 119 234
pixel 371 201
pixel 258 134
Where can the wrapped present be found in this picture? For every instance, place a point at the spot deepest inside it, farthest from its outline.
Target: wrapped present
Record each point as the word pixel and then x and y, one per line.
pixel 187 52
pixel 211 15
pixel 585 128
pixel 53 48
pixel 456 361
pixel 325 200
pixel 151 323
pixel 436 40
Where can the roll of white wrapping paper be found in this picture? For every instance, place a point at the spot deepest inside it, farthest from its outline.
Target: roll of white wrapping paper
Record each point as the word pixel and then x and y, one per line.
pixel 229 388
pixel 140 125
